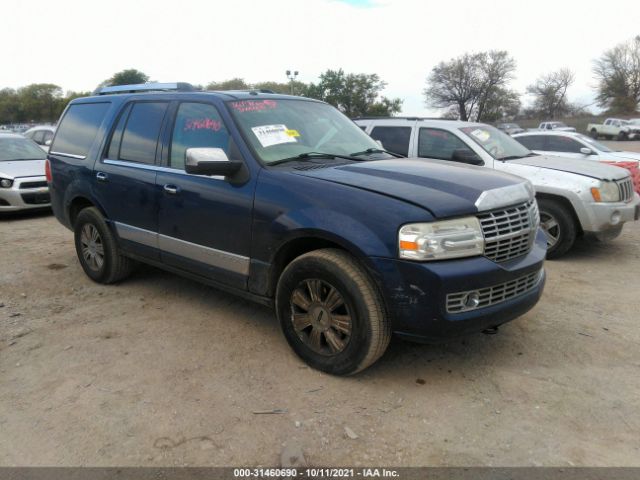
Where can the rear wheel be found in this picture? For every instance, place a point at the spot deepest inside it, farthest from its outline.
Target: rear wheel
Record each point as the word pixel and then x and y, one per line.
pixel 594 134
pixel 331 312
pixel 559 226
pixel 98 250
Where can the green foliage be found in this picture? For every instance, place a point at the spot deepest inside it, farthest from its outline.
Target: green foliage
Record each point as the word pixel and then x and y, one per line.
pixel 130 76
pixel 37 103
pixel 618 74
pixel 232 84
pixel 356 95
pixel 474 84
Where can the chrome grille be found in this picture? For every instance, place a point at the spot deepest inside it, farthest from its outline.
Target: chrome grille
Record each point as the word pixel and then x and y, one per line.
pixel 485 297
pixel 509 232
pixel 625 187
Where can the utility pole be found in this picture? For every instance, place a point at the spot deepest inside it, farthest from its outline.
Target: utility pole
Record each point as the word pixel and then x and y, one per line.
pixel 291 77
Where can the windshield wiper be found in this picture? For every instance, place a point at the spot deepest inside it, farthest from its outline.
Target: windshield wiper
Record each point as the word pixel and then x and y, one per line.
pixel 376 150
pixel 314 155
pixel 517 157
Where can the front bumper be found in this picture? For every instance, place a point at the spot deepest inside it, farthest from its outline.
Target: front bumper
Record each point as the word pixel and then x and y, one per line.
pixel 416 293
pixel 604 217
pixel 25 193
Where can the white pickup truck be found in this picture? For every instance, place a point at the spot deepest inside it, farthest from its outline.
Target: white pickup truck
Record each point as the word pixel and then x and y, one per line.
pixel 615 128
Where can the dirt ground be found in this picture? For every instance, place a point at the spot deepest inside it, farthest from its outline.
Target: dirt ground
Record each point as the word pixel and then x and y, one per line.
pixel 161 371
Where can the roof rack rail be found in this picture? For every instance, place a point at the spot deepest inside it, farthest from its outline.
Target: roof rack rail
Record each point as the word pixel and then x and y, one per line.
pixel 146 87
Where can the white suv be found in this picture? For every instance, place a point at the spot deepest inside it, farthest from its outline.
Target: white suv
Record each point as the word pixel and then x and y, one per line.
pixel 574 196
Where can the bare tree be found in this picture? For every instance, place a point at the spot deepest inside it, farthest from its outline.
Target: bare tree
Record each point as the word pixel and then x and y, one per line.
pixel 470 83
pixel 618 74
pixel 550 93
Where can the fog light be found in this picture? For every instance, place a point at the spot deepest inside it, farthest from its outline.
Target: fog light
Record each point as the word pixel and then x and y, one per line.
pixel 615 218
pixel 471 300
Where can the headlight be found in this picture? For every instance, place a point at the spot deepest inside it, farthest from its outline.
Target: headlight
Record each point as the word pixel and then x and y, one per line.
pixel 5 183
pixel 607 192
pixel 439 240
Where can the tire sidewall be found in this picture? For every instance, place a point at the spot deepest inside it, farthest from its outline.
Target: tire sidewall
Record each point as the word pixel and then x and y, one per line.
pixel 88 216
pixel 566 227
pixel 308 268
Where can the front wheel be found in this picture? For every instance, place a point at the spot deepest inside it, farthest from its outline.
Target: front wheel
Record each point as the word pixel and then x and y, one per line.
pixel 331 312
pixel 622 136
pixel 558 224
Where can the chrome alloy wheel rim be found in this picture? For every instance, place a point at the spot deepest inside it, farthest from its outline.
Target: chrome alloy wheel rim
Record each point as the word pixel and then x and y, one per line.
pixel 92 247
pixel 550 226
pixel 320 317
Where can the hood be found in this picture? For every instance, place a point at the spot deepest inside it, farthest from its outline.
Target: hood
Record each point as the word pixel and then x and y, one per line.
pixel 22 168
pixel 578 166
pixel 616 156
pixel 445 189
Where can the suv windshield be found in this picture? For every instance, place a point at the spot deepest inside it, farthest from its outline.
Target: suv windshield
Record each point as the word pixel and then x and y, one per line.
pixel 14 149
pixel 496 143
pixel 281 129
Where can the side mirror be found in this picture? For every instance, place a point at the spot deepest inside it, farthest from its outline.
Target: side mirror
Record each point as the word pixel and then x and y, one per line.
pixel 210 161
pixel 586 151
pixel 48 143
pixel 463 155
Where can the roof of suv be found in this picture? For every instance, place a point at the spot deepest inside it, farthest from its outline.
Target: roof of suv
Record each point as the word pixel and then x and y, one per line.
pixel 223 94
pixel 556 133
pixel 424 120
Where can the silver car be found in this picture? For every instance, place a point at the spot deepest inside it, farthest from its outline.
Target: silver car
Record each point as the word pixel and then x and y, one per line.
pixel 23 184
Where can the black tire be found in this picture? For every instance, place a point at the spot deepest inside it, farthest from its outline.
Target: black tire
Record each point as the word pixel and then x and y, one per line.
pixel 594 134
pixel 560 237
pixel 114 266
pixel 370 330
pixel 622 136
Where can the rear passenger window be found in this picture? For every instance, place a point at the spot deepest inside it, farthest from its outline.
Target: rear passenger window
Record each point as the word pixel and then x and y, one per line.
pixel 440 144
pixel 140 135
pixel 197 125
pixel 78 129
pixel 394 139
pixel 532 142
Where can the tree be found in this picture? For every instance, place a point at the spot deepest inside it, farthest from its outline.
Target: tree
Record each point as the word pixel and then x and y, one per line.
pixel 231 84
pixel 355 95
pixel 130 76
pixel 550 93
pixel 470 83
pixel 39 102
pixel 618 74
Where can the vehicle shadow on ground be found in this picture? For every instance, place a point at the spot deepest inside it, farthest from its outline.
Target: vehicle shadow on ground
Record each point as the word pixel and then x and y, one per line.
pixel 592 248
pixel 25 215
pixel 403 360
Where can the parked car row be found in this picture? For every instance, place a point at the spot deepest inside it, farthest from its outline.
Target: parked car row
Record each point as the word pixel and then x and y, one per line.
pixel 285 201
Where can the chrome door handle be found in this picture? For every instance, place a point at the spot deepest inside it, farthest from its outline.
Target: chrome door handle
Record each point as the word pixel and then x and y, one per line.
pixel 101 176
pixel 171 189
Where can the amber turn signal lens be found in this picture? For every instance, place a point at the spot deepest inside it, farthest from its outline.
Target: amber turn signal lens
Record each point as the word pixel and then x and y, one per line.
pixel 595 193
pixel 404 245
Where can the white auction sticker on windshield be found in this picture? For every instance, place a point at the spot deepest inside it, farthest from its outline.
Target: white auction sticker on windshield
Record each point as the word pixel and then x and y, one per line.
pixel 269 135
pixel 481 135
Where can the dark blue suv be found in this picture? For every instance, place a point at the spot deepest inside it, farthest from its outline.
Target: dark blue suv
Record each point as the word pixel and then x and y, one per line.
pixel 285 201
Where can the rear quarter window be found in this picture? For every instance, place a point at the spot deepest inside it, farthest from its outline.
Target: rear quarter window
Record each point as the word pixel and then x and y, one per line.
pixel 78 128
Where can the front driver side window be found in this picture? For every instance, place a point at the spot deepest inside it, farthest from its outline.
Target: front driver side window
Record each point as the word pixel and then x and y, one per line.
pixel 197 125
pixel 439 144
